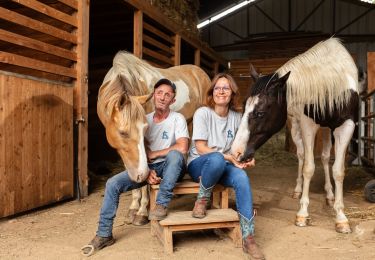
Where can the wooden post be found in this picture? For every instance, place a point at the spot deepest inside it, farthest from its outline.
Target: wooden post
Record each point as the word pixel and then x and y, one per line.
pixel 138 34
pixel 216 68
pixel 370 71
pixel 177 50
pixel 80 95
pixel 197 57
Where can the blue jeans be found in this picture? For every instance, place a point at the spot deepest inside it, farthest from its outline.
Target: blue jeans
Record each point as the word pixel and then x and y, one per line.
pixel 171 170
pixel 213 169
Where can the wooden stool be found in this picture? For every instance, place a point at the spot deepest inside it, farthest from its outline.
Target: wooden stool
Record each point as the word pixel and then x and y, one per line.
pixel 220 194
pixel 183 221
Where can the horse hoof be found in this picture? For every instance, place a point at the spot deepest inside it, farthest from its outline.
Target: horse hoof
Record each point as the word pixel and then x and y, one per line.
pixel 302 221
pixel 330 202
pixel 129 218
pixel 343 227
pixel 140 220
pixel 296 195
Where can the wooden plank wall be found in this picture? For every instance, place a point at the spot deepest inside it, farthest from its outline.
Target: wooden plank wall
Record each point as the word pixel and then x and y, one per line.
pixel 36 151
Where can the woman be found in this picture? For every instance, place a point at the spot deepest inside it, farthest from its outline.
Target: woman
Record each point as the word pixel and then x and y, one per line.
pixel 210 161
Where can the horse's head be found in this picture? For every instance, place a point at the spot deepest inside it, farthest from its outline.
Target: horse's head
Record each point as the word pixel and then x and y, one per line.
pixel 265 113
pixel 125 123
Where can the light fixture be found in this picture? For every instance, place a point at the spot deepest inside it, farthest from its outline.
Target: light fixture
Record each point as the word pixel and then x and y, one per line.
pixel 224 13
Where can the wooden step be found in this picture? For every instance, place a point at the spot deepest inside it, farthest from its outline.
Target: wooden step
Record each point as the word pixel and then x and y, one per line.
pixel 226 219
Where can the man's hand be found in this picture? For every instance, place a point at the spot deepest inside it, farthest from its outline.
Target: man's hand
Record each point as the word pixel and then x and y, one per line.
pixel 153 178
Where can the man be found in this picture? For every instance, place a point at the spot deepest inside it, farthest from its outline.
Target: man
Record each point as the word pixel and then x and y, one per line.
pixel 167 143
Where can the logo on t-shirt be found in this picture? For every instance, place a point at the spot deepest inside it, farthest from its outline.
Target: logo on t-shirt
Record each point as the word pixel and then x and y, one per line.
pixel 165 135
pixel 229 135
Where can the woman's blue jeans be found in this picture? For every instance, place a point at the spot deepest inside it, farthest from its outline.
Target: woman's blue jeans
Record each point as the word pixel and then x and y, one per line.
pixel 213 169
pixel 171 170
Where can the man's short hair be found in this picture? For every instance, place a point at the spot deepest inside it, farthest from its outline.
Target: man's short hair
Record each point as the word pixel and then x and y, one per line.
pixel 165 81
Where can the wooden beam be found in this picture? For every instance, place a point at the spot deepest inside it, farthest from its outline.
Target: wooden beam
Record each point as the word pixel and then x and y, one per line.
pixel 14 59
pixel 138 33
pixel 158 56
pixel 36 25
pixel 156 31
pixel 177 50
pixel 49 11
pixel 20 40
pixel 71 3
pixel 158 44
pixel 80 97
pixel 197 57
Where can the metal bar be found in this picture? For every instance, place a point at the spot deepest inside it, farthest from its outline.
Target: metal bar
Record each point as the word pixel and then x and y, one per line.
pixel 309 15
pixel 270 18
pixel 230 31
pixel 354 20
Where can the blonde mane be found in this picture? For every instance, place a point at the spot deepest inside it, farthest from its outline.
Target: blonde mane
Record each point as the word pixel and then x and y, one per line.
pixel 322 76
pixel 137 72
pixel 112 94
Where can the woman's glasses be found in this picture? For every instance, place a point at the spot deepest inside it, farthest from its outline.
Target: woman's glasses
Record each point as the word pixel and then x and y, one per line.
pixel 222 89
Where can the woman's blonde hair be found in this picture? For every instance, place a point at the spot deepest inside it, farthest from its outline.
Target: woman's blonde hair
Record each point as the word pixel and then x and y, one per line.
pixel 234 101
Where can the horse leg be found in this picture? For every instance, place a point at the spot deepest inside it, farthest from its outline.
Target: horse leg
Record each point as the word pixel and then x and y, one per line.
pixel 342 134
pixel 325 157
pixel 134 206
pixel 297 139
pixel 141 218
pixel 308 130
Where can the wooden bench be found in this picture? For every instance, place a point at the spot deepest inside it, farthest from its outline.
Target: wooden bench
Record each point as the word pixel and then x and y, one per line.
pixel 220 217
pixel 183 221
pixel 220 194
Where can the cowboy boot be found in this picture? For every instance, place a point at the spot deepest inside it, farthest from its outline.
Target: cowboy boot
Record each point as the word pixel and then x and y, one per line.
pixel 249 246
pixel 203 199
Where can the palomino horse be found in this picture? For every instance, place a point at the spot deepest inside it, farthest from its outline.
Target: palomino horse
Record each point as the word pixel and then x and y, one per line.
pixel 316 88
pixel 122 107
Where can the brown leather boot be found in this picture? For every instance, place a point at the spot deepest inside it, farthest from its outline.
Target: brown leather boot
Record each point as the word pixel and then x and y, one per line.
pixel 200 208
pixel 250 247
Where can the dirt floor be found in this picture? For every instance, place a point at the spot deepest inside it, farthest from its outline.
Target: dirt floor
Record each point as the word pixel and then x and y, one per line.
pixel 59 231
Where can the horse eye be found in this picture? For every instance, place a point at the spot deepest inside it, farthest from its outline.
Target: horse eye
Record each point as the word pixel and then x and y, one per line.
pixel 260 114
pixel 124 134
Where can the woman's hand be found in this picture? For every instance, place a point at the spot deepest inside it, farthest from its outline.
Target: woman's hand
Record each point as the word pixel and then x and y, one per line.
pixel 238 164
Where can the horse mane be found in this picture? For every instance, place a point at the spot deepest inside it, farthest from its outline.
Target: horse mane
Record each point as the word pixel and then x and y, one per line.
pixel 321 77
pixel 112 95
pixel 136 71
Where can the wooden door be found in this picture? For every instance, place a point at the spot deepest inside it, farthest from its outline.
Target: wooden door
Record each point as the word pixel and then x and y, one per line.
pixel 36 143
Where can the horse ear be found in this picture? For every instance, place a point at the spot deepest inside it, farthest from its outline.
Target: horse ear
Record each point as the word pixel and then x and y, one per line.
pixel 124 99
pixel 253 73
pixel 275 85
pixel 144 99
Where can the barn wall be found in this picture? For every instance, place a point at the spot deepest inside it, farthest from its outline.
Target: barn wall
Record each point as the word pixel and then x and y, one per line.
pixel 36 152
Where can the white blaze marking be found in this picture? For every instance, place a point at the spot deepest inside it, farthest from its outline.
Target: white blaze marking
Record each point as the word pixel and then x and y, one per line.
pixel 142 166
pixel 243 132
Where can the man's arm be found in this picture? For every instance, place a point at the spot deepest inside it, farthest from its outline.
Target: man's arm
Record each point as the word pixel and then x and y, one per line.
pixel 181 145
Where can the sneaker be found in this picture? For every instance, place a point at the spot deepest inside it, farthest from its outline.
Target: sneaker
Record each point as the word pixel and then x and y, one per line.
pixel 158 213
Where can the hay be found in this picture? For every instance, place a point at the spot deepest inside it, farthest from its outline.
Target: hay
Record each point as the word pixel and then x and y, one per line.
pixel 356 212
pixel 183 12
pixel 273 153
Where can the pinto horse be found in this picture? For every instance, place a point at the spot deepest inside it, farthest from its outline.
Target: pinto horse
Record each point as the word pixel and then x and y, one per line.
pixel 122 107
pixel 316 88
